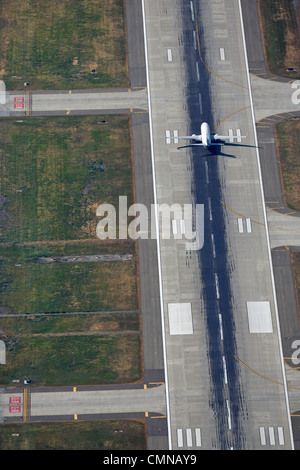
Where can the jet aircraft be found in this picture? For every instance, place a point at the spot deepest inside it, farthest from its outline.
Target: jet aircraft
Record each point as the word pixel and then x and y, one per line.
pixel 206 139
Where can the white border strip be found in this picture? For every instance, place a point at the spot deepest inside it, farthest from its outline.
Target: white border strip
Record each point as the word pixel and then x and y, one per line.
pixel 157 231
pixel 266 226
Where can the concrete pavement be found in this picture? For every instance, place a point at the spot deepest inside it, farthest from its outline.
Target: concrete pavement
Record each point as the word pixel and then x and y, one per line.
pixel 64 102
pixel 248 256
pixel 36 405
pixel 283 229
pixel 273 97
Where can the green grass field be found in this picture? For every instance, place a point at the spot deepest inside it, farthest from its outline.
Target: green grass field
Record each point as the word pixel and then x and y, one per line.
pixel 32 287
pixel 54 174
pixel 81 435
pixel 72 350
pixel 55 171
pixel 56 44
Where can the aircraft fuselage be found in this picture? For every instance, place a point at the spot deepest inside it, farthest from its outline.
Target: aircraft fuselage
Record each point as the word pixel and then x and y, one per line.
pixel 205 132
pixel 206 139
pixel 205 136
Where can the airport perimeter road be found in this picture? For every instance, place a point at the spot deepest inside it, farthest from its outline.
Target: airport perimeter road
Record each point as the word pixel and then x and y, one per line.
pixel 225 379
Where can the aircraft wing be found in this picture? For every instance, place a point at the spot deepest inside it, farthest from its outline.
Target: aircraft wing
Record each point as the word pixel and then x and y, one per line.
pixel 226 137
pixel 187 137
pixel 204 145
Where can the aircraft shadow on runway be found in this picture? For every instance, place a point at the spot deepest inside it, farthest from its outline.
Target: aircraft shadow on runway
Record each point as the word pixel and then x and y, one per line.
pixel 215 150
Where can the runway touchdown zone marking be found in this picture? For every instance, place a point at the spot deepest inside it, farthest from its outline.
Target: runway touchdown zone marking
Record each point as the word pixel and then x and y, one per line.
pixel 189 436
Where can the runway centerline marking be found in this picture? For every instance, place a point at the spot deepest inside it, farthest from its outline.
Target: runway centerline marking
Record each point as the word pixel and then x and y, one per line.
pixel 192 11
pixel 217 285
pixel 200 103
pixel 197 72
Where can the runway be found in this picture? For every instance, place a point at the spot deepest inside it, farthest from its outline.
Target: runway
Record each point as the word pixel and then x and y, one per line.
pixel 221 380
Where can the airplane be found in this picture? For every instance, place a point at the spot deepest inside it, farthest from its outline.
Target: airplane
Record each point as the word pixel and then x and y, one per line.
pixel 206 139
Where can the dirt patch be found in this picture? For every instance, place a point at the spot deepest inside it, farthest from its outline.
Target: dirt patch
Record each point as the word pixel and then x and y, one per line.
pixel 88 333
pixel 292 46
pixel 85 258
pixel 297 11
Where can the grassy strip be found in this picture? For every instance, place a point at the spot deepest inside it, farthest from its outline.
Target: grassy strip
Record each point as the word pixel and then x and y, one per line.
pixel 31 251
pixel 33 325
pixel 296 271
pixel 55 171
pixel 56 44
pixel 54 174
pixel 82 435
pixel 69 360
pixel 82 287
pixel 27 286
pixel 288 142
pixel 281 37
